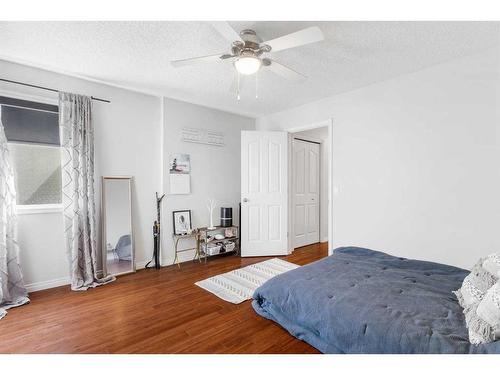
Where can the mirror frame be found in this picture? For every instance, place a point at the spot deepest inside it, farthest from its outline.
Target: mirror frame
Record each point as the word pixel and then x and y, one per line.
pixel 103 226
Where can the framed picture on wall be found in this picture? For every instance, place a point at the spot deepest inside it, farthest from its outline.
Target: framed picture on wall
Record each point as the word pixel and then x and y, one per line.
pixel 180 164
pixel 179 174
pixel 182 221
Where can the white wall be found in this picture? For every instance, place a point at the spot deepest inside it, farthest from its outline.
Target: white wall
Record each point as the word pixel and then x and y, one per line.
pixel 42 250
pixel 321 135
pixel 215 171
pixel 127 142
pixel 416 161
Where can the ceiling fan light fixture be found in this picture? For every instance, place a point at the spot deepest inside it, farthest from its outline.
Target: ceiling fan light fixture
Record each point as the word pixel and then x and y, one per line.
pixel 248 65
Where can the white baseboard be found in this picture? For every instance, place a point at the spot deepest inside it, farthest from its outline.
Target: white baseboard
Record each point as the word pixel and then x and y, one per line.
pixel 41 285
pixel 324 239
pixel 168 261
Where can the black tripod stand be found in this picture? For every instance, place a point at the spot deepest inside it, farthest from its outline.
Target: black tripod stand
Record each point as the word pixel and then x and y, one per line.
pixel 156 235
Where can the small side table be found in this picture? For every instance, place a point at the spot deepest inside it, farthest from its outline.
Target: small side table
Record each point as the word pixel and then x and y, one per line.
pixel 204 239
pixel 177 238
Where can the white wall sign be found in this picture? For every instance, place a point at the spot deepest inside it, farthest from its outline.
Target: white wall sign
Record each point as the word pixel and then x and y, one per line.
pixel 203 136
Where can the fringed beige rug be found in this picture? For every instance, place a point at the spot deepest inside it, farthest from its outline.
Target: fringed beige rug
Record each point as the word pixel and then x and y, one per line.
pixel 238 285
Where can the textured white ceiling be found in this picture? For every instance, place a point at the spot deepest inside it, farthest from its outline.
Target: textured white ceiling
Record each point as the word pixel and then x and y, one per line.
pixel 137 55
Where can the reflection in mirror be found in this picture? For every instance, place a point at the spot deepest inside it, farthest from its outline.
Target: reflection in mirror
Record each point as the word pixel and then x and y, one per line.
pixel 118 242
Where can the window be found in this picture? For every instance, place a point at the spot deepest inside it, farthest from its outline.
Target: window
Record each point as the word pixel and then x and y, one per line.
pixel 32 131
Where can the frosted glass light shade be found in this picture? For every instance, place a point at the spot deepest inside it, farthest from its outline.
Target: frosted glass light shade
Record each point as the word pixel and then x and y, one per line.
pixel 247 65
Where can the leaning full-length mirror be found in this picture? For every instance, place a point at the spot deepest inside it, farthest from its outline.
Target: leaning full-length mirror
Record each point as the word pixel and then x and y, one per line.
pixel 118 244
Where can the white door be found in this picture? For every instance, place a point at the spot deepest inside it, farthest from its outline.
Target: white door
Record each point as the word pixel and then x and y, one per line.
pixel 264 195
pixel 305 190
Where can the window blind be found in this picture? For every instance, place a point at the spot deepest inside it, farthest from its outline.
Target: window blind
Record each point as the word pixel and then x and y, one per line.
pixel 30 122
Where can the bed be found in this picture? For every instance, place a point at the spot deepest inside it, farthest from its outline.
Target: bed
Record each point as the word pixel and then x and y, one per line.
pixel 123 248
pixel 363 301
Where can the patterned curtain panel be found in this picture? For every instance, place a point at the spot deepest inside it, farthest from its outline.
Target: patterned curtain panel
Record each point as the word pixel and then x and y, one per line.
pixel 77 139
pixel 12 290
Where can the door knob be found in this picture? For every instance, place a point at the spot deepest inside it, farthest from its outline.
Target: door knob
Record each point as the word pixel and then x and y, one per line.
pixel 245 199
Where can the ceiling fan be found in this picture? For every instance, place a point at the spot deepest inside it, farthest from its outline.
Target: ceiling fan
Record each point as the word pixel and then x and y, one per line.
pixel 248 51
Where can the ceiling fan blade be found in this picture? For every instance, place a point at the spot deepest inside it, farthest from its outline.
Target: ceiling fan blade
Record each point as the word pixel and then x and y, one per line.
pixel 198 60
pixel 225 29
pixel 285 71
pixel 310 35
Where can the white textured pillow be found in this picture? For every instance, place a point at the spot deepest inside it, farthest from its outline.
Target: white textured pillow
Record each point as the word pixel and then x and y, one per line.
pixel 475 286
pixel 484 322
pixel 492 264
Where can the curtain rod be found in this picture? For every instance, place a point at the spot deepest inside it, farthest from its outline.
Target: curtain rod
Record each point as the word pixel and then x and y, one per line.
pixel 47 88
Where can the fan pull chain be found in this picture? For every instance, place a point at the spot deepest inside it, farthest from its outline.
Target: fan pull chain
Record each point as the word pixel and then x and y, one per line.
pixel 238 86
pixel 256 85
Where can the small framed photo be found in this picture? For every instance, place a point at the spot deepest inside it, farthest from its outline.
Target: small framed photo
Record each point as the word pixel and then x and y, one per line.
pixel 182 221
pixel 180 164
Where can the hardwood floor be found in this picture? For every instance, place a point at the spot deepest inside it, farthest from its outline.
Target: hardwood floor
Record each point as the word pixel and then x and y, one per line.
pixel 150 312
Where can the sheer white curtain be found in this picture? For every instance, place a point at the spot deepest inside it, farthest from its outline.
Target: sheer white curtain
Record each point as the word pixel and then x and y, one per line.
pixel 77 140
pixel 12 290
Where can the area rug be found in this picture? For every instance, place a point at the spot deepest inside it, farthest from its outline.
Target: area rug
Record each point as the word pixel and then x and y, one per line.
pixel 238 285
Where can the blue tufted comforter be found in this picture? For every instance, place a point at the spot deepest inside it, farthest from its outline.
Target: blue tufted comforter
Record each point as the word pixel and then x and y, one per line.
pixel 364 301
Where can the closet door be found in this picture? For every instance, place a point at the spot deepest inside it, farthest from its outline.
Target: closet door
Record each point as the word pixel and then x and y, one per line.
pixel 306 187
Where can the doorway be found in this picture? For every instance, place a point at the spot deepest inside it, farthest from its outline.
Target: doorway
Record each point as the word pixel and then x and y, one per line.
pixel 267 197
pixel 309 185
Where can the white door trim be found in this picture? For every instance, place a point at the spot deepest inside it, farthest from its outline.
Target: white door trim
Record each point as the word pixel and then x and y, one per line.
pixel 326 123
